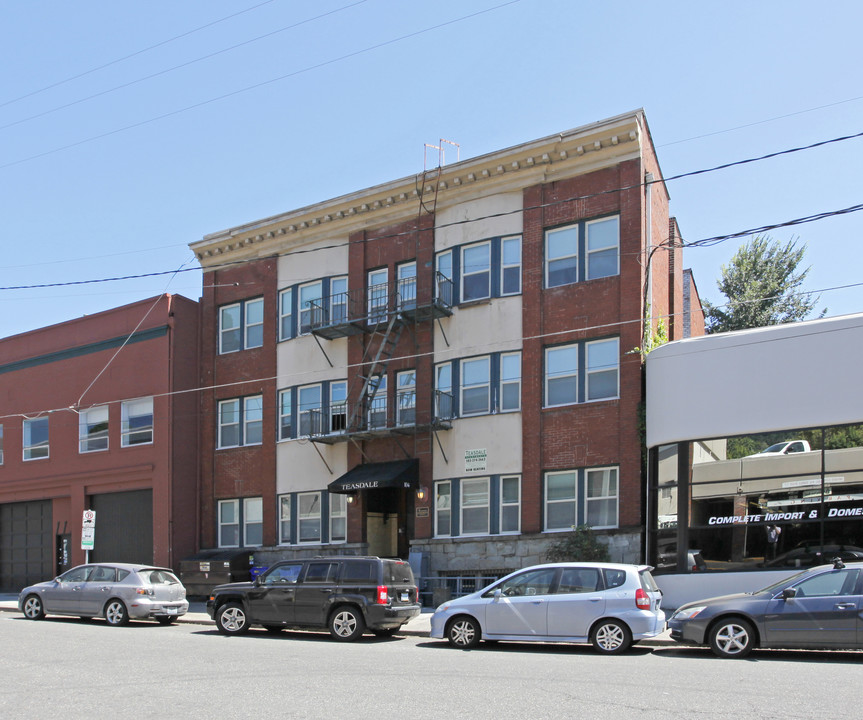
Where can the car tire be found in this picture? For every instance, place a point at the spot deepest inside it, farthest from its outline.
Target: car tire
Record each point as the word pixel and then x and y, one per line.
pixel 346 623
pixel 165 620
pixel 116 613
pixel 611 637
pixel 33 608
pixel 231 619
pixel 463 632
pixel 732 638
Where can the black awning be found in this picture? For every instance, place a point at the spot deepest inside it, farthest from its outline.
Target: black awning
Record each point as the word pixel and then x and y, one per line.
pixel 372 476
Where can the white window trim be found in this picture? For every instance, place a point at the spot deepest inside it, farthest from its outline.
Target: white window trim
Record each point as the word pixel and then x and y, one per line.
pixel 465 274
pixel 438 484
pixel 236 503
pixel 319 541
pixel 616 497
pixel 282 415
pixel 503 382
pixel 222 330
pixel 461 507
pixel 504 266
pixel 246 522
pixel 377 304
pixel 310 410
pixel 25 448
pixel 546 501
pixel 309 311
pixel 125 432
pixel 590 372
pixel 549 260
pixel 463 386
pixel 546 376
pixel 345 316
pixel 588 251
pixel 247 325
pixel 333 516
pixel 332 404
pixel 289 293
pixel 281 519
pixel 402 391
pixel 221 425
pixel 502 505
pixel 83 435
pixel 246 422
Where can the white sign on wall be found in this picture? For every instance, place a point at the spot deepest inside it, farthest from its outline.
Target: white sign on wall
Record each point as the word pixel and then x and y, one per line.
pixel 475 460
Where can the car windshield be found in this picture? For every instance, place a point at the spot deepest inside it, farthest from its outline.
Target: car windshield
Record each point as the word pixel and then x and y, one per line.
pixel 775 448
pixel 398 573
pixel 159 577
pixel 782 583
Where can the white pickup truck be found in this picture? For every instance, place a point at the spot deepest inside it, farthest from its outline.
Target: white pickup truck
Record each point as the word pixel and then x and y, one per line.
pixel 788 447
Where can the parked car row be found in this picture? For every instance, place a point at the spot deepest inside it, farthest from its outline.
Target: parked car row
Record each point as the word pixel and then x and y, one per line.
pixel 611 606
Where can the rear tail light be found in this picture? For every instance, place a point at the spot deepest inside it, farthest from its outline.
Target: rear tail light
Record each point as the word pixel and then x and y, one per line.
pixel 382 598
pixel 642 600
pixel 144 591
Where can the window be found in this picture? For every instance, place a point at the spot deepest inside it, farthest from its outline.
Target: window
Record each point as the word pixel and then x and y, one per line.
pixel 443 508
pixel 560 500
pixel 829 584
pixel 338 518
pixel 406 397
pixel 475 384
pixel 510 382
pixel 1 444
pixel 93 429
pixel 602 247
pixel 602 498
pixel 378 402
pixel 241 326
pixel 474 506
pixel 137 422
pixel 444 409
pixel 35 438
pixel 532 582
pixel 240 421
pixel 284 519
pixel 229 523
pixel 561 375
pixel 321 572
pixel 338 406
pixel 309 409
pixel 579 580
pixel 444 278
pixel 253 522
pixel 286 314
pixel 338 300
pixel 309 517
pixel 510 504
pixel 602 369
pixel 510 266
pixel 476 272
pixel 407 285
pixel 285 414
pixel 310 314
pixel 377 295
pixel 561 256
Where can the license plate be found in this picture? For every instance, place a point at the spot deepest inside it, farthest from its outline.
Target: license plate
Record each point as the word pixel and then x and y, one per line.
pixel 405 597
pixel 171 611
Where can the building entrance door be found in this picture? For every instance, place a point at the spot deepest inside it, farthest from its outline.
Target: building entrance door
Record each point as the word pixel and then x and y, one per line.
pixel 386 522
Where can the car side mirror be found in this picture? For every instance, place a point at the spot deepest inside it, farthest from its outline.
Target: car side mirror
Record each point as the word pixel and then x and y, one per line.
pixel 789 593
pixel 257 581
pixel 497 594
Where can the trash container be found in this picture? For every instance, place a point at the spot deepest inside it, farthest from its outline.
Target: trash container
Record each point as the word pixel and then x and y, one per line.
pixel 200 573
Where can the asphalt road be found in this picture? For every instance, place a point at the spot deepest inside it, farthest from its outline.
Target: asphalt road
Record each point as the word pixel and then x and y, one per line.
pixel 75 669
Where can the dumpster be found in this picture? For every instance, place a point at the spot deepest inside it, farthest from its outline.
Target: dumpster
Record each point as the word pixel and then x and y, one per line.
pixel 202 572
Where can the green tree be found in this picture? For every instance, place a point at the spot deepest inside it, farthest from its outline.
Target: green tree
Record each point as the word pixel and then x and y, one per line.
pixel 762 283
pixel 581 545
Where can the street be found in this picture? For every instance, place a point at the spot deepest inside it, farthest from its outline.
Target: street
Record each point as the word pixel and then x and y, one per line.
pixel 72 668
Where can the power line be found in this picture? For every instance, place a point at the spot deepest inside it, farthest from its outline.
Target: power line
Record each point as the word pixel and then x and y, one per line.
pixel 134 54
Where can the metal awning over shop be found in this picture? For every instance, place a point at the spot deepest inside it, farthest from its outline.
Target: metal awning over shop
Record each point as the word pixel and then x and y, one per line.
pixel 373 476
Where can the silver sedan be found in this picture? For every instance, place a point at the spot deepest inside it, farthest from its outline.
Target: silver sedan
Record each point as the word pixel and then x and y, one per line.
pixel 116 591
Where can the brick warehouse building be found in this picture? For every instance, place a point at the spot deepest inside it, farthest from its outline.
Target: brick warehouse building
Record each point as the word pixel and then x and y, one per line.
pixel 95 417
pixel 441 366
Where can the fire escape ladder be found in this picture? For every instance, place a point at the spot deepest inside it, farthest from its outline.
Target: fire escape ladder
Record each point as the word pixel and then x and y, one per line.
pixel 385 347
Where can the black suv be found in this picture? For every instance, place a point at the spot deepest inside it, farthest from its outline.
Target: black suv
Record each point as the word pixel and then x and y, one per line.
pixel 347 595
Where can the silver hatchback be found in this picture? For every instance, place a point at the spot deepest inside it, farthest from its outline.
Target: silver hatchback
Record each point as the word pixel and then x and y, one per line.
pixel 609 605
pixel 116 591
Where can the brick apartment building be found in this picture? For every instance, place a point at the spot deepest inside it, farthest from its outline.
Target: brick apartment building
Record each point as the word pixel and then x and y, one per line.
pixel 441 366
pixel 94 417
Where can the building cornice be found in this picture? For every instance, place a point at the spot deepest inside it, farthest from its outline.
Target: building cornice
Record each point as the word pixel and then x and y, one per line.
pixel 556 157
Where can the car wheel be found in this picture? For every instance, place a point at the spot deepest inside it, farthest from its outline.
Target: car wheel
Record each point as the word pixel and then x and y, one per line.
pixel 231 619
pixel 116 613
pixel 33 608
pixel 346 623
pixel 732 638
pixel 611 637
pixel 165 620
pixel 463 632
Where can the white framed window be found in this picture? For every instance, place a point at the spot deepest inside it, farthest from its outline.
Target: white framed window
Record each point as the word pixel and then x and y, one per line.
pixel 253 415
pixel 475 385
pixel 285 415
pixel 474 506
pixel 603 369
pixel 444 405
pixel 443 509
pixel 476 272
pixel 378 403
pixel 510 504
pixel 338 300
pixel 230 328
pixel 444 278
pixel 35 440
pixel 601 488
pixel 338 518
pixel 310 315
pixel 510 265
pixel 510 382
pixel 240 421
pixel 229 423
pixel 136 427
pixel 561 256
pixel 406 275
pixel 378 293
pixel 229 523
pixel 309 410
pixel 253 522
pixel 93 429
pixel 561 375
pixel 406 397
pixel 309 517
pixel 286 314
pixel 338 406
pixel 603 241
pixel 284 519
pixel 560 500
pixel 254 323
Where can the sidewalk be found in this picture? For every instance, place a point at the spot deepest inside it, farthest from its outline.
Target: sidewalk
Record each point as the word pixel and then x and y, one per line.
pixel 420 626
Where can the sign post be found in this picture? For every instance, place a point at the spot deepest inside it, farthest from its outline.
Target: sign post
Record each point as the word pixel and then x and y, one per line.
pixel 88 533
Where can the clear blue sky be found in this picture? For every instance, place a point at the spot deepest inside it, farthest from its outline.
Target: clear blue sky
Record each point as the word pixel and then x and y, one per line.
pixel 119 181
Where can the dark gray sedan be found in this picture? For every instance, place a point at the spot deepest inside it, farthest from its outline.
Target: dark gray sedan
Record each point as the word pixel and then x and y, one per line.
pixel 116 591
pixel 821 608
